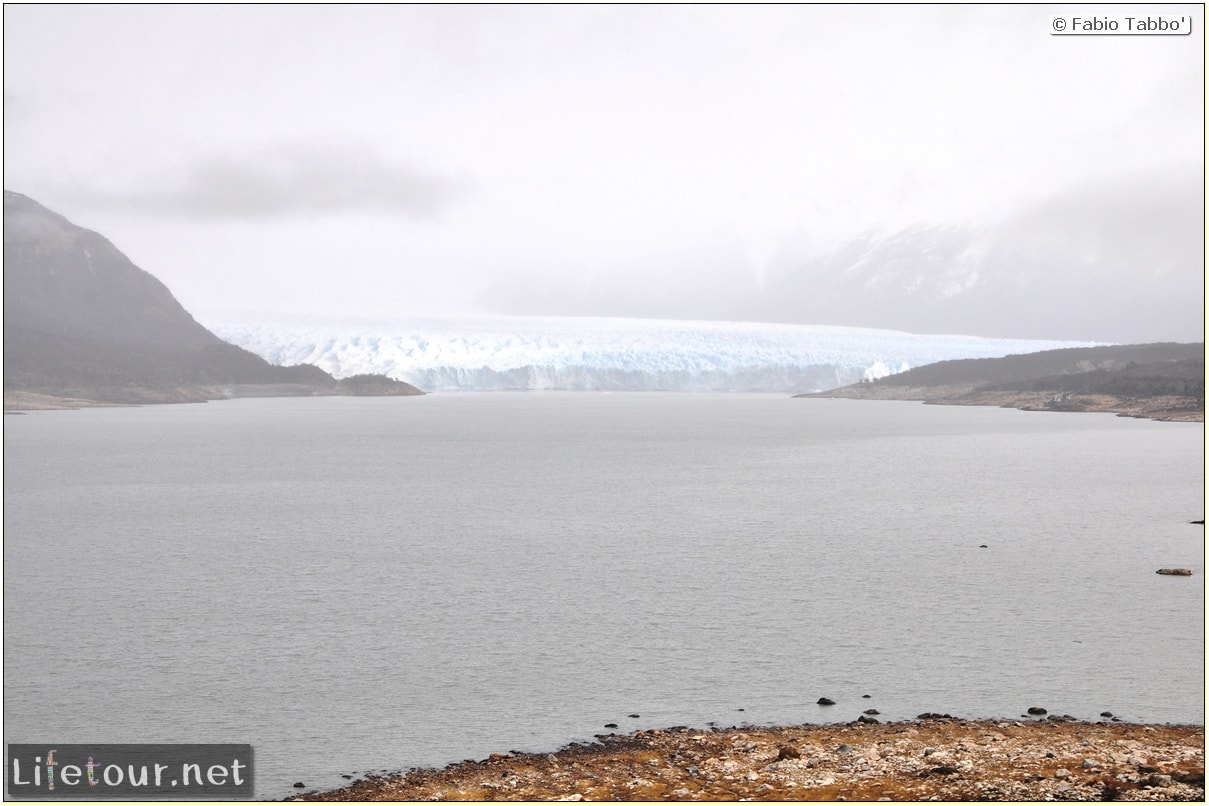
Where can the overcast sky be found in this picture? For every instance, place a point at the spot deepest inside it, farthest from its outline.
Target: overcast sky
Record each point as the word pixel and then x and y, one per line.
pixel 409 160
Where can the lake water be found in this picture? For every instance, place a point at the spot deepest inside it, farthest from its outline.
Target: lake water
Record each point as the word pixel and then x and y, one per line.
pixel 366 584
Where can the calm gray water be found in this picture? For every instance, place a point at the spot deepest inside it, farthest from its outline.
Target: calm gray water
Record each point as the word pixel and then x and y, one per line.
pixel 367 584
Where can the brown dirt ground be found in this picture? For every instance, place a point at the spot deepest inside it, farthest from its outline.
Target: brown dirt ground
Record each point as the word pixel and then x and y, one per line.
pixel 931 759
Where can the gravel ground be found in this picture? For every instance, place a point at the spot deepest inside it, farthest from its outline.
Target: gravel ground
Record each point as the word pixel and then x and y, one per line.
pixel 930 759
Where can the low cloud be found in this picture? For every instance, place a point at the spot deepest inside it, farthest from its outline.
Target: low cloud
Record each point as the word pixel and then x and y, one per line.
pixel 293 181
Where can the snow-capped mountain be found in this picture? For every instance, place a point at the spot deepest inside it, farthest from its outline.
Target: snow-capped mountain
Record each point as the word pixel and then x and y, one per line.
pixel 1118 261
pixel 583 353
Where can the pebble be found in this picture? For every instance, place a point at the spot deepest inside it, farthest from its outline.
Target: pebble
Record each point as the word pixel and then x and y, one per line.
pixel 964 760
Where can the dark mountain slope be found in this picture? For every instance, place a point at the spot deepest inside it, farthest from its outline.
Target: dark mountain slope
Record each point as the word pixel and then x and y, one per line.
pixel 1163 381
pixel 63 280
pixel 83 322
pixel 1028 368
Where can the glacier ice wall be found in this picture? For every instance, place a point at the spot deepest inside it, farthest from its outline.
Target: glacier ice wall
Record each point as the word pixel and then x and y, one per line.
pixel 582 353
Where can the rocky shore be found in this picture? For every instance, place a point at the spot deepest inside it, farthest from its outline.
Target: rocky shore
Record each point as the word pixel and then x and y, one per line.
pixel 1165 408
pixel 933 758
pixel 21 400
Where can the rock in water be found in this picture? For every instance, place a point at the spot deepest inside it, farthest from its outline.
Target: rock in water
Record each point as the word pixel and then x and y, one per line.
pixel 1175 572
pixel 826 701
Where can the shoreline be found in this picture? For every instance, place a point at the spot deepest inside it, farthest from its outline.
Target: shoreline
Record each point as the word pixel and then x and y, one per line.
pixel 932 758
pixel 1177 409
pixel 1168 409
pixel 20 401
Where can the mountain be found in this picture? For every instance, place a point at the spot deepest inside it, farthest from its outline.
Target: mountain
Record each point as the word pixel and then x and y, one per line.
pixel 1116 264
pixel 81 321
pixel 1162 381
pixel 586 353
pixel 1118 261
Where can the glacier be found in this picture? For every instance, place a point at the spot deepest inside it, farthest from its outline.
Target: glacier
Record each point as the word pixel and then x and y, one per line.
pixel 607 354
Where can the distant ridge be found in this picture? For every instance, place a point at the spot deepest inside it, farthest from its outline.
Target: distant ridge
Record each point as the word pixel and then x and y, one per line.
pixel 84 325
pixel 1164 381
